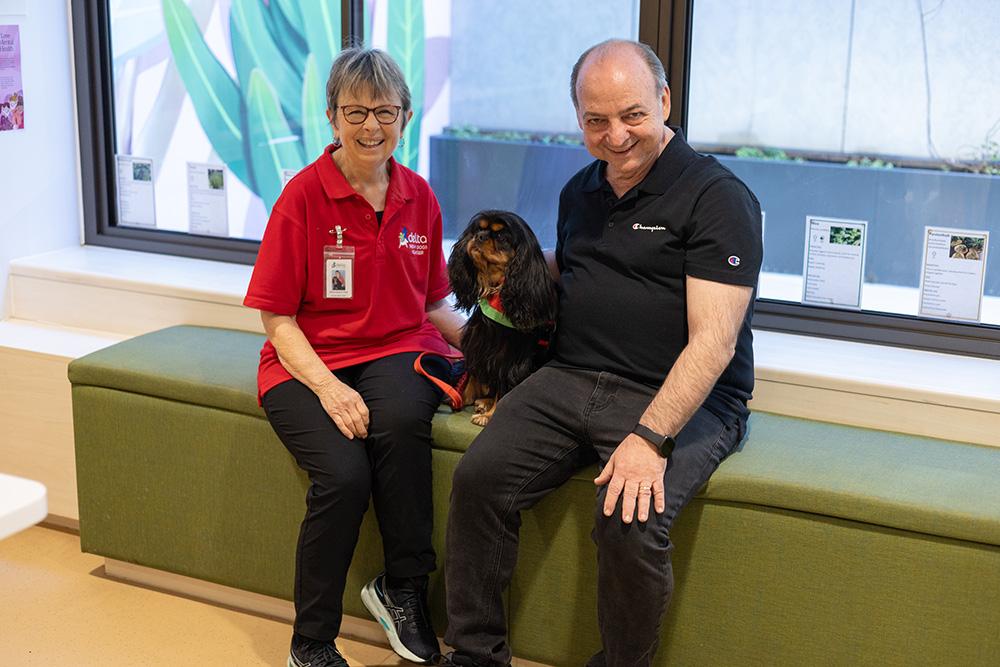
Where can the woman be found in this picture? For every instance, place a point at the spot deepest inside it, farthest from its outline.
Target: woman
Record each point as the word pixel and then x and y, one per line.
pixel 336 376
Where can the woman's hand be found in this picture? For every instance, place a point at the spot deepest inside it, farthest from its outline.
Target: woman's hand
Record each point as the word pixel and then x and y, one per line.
pixel 345 406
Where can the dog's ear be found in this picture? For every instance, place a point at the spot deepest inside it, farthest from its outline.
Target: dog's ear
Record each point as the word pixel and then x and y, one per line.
pixel 462 272
pixel 528 293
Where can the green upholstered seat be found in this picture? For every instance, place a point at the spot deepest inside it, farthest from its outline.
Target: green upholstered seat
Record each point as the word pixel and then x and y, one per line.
pixel 813 544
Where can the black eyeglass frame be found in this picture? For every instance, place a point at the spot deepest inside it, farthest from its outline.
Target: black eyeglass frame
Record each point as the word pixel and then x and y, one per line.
pixel 371 111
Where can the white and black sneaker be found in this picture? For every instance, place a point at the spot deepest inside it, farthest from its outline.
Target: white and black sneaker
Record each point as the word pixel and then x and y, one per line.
pixel 307 652
pixel 403 613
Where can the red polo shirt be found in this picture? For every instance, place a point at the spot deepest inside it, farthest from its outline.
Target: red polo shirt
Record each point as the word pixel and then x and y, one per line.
pixel 399 268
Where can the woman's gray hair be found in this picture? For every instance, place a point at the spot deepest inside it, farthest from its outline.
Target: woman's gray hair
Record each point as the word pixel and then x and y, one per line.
pixel 647 54
pixel 359 70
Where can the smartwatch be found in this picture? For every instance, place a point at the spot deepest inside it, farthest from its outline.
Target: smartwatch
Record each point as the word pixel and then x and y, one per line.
pixel 664 444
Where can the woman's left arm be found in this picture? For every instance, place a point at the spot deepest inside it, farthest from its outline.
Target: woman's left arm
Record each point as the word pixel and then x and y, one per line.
pixel 447 320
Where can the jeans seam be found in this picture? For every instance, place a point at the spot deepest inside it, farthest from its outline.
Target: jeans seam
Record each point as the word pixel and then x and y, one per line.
pixel 495 570
pixel 591 408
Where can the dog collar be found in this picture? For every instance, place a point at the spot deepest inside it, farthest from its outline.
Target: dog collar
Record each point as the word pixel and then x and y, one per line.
pixel 493 309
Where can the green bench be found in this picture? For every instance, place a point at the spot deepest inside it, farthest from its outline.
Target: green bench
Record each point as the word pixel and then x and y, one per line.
pixel 814 544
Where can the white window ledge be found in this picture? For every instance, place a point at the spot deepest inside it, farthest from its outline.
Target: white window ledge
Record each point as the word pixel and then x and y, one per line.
pixel 118 293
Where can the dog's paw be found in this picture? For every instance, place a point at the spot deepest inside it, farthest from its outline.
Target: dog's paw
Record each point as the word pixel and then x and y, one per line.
pixel 481 419
pixel 484 405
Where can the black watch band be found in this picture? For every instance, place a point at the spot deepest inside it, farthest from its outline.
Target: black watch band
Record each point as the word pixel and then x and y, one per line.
pixel 664 444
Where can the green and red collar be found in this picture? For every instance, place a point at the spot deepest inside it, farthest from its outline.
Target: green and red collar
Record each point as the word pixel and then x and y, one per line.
pixel 493 309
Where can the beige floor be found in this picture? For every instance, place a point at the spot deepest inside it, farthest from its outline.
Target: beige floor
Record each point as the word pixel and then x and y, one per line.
pixel 58 608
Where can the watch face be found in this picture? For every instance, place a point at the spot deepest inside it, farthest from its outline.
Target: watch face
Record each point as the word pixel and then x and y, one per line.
pixel 667 446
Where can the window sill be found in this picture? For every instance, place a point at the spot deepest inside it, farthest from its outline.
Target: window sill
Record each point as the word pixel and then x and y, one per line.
pixel 119 293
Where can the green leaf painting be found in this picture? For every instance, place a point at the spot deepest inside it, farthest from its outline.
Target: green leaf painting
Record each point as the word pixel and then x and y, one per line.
pixel 273 117
pixel 285 30
pixel 246 20
pixel 273 147
pixel 406 45
pixel 316 133
pixel 321 20
pixel 291 12
pixel 215 96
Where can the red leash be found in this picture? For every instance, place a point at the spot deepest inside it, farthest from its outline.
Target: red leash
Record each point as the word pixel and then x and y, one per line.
pixel 454 394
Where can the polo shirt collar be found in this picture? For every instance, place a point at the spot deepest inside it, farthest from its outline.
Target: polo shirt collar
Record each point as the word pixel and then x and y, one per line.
pixel 673 160
pixel 335 185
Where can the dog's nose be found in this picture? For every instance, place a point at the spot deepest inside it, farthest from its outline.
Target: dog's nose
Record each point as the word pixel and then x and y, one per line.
pixel 482 235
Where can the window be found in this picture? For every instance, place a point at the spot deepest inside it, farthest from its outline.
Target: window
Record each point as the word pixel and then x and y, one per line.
pixel 862 129
pixel 875 124
pixel 193 113
pixel 497 128
pixel 204 108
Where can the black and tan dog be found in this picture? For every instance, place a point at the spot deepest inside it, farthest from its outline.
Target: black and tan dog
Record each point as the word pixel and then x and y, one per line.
pixel 498 272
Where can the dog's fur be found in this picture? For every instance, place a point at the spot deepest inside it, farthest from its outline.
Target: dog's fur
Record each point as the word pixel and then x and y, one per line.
pixel 498 253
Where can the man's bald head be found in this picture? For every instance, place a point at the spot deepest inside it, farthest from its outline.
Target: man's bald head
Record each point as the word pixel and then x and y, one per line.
pixel 613 47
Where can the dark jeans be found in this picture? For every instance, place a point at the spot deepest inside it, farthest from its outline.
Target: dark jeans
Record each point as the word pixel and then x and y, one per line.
pixel 543 432
pixel 392 465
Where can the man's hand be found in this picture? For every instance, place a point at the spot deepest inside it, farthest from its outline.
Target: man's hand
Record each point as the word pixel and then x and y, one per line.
pixel 346 408
pixel 634 472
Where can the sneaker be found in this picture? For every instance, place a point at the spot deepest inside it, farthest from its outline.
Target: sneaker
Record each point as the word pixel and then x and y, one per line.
pixel 307 652
pixel 403 614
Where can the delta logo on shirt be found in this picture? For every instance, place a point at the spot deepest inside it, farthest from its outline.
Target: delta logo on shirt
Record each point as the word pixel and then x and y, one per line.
pixel 415 243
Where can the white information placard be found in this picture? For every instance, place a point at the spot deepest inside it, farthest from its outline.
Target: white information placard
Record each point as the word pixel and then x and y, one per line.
pixel 136 196
pixel 953 273
pixel 207 212
pixel 834 264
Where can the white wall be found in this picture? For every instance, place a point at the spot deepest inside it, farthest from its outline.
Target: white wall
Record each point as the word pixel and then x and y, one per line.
pixel 39 192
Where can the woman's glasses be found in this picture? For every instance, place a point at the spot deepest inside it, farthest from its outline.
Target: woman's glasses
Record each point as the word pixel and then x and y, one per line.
pixel 355 114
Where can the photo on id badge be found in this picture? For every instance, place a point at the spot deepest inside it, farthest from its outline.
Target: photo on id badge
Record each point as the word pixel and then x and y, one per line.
pixel 339 278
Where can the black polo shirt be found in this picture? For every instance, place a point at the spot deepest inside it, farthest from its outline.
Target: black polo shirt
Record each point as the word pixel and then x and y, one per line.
pixel 622 301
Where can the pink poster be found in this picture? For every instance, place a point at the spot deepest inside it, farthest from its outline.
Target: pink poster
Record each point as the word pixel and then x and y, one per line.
pixel 11 92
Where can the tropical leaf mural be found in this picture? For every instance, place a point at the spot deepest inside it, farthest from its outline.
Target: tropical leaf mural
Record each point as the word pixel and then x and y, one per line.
pixel 216 98
pixel 272 117
pixel 406 45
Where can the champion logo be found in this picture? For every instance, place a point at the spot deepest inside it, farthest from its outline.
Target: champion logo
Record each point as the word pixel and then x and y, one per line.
pixel 646 228
pixel 415 243
pixel 733 260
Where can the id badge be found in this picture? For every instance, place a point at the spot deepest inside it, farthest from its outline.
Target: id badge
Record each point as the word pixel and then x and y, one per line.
pixel 338 274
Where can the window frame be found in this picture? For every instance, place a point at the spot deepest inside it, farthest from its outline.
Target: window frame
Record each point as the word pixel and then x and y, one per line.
pixel 666 25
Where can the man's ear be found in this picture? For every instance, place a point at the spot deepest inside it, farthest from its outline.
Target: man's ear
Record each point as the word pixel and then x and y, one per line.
pixel 665 100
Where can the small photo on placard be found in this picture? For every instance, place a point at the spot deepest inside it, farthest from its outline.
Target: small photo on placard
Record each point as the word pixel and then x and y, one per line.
pixel 834 263
pixel 339 278
pixel 953 273
pixel 207 209
pixel 136 194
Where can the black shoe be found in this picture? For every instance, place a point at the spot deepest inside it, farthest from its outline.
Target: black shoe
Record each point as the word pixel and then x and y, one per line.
pixel 403 613
pixel 307 652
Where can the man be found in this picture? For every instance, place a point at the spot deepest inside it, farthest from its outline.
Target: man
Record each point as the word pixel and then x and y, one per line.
pixel 658 254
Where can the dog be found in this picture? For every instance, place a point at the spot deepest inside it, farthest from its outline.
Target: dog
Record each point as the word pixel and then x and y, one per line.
pixel 499 275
